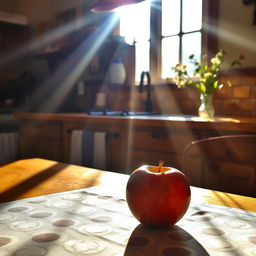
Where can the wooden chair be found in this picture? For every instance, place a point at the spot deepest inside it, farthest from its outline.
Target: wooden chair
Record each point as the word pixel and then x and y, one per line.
pixel 224 163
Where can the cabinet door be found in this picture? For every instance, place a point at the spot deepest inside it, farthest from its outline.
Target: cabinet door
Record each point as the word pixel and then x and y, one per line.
pixel 38 139
pixel 161 140
pixel 152 145
pixel 41 130
pixel 12 36
pixel 42 148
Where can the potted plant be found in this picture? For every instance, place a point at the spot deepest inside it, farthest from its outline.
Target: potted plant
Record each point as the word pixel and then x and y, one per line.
pixel 204 78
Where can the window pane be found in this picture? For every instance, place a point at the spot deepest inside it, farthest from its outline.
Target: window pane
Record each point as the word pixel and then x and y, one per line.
pixel 192 15
pixel 135 22
pixel 170 17
pixel 191 44
pixel 142 58
pixel 170 55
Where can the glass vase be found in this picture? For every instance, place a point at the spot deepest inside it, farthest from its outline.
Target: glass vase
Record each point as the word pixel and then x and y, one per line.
pixel 206 109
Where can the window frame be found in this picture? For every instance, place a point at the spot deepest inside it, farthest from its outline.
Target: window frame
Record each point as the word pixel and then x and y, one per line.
pixel 209 39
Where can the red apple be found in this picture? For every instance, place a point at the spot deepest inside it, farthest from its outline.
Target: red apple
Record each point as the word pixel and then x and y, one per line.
pixel 158 196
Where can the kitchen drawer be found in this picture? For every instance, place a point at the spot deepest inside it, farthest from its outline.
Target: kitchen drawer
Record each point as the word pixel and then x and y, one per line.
pixel 43 148
pixel 41 129
pixel 161 141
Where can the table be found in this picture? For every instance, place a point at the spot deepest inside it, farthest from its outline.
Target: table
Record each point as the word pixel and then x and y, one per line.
pixel 48 216
pixel 35 177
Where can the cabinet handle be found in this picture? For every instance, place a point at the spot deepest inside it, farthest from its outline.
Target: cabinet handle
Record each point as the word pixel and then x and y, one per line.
pixel 159 135
pixel 109 135
pixel 112 135
pixel 69 131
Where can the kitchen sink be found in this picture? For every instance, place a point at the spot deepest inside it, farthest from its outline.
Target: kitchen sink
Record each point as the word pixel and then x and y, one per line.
pixel 122 113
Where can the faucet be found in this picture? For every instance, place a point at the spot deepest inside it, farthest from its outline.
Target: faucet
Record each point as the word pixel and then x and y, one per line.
pixel 148 103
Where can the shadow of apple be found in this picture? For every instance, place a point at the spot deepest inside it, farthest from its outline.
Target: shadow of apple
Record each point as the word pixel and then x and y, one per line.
pixel 173 240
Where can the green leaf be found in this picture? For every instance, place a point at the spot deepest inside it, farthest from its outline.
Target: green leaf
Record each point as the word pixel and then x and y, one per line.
pixel 206 72
pixel 216 85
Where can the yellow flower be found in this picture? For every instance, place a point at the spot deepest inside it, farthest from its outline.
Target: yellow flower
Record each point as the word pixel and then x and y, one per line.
pixel 182 83
pixel 181 67
pixel 207 75
pixel 215 61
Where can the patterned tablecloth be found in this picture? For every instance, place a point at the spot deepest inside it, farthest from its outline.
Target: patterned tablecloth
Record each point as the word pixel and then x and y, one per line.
pixel 93 221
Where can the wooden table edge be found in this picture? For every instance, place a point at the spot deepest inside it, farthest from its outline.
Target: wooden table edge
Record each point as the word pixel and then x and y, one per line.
pixel 36 177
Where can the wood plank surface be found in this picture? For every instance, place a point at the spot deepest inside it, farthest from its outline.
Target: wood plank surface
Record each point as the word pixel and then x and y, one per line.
pixel 34 177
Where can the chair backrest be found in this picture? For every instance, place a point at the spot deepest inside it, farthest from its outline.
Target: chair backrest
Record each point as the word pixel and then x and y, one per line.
pixel 224 163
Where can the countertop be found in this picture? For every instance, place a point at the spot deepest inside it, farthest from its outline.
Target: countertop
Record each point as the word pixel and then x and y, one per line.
pixel 247 124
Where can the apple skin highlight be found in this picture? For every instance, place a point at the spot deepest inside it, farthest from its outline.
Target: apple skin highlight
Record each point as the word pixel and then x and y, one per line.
pixel 158 198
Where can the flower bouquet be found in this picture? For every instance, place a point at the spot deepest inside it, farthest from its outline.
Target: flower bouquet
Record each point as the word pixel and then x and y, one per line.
pixel 204 78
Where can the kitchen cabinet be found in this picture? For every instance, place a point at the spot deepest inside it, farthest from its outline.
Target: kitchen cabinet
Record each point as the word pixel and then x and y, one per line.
pixel 131 141
pixel 149 145
pixel 40 139
pixel 12 36
pixel 93 75
pixel 16 83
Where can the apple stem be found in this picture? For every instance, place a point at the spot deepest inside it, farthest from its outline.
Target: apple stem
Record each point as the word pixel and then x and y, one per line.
pixel 161 163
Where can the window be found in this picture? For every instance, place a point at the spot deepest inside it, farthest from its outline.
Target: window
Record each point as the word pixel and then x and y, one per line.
pixel 135 28
pixel 181 35
pixel 166 32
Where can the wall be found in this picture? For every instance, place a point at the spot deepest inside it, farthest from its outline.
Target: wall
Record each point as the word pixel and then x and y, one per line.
pixel 36 10
pixel 6 5
pixel 45 11
pixel 238 100
pixel 237 34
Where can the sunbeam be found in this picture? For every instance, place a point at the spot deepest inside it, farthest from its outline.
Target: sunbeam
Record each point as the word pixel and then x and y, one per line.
pixel 239 41
pixel 35 45
pixel 71 69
